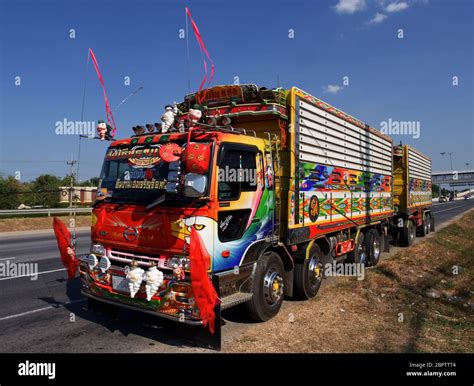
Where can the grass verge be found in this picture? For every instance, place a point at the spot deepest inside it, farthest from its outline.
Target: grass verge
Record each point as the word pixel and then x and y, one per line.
pixel 420 300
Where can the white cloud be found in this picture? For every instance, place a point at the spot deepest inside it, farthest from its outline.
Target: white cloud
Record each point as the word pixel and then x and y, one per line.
pixel 378 18
pixel 349 6
pixel 333 88
pixel 397 7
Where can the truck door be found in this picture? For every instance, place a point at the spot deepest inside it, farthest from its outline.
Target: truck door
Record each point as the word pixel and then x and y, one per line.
pixel 241 218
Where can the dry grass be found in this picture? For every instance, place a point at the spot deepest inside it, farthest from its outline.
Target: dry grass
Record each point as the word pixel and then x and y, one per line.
pixel 417 285
pixel 36 223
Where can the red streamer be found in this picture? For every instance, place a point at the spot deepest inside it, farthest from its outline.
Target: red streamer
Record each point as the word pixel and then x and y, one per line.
pixel 108 111
pixel 68 257
pixel 205 294
pixel 205 54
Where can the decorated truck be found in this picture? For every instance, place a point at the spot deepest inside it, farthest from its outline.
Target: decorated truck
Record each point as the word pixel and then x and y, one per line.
pixel 412 194
pixel 244 196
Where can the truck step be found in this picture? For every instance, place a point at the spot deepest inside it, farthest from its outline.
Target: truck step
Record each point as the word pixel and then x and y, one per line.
pixel 234 299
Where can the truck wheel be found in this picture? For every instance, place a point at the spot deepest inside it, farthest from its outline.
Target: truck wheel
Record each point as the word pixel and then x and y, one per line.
pixel 423 230
pixel 309 275
pixel 432 223
pixel 359 254
pixel 428 223
pixel 267 285
pixel 408 233
pixel 374 247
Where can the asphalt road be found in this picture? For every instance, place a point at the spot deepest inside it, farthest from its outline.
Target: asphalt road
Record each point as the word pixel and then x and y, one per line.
pixel 46 313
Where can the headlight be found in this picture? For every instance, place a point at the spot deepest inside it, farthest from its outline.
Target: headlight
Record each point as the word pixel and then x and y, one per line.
pixel 98 249
pixel 177 261
pixel 104 264
pixel 91 260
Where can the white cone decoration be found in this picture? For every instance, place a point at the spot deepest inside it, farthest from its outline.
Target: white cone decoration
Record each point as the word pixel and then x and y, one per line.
pixel 154 279
pixel 135 277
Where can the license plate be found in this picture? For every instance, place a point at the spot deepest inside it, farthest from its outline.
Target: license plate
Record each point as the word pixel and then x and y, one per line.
pixel 120 283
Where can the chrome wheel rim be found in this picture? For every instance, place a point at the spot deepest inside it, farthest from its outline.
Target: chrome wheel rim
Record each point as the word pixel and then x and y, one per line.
pixel 273 286
pixel 314 271
pixel 376 248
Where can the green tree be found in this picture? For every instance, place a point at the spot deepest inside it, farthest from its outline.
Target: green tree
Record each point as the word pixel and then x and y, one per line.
pixel 9 193
pixel 94 182
pixel 46 190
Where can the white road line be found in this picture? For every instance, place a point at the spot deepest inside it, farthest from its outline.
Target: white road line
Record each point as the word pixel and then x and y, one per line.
pixel 444 210
pixel 39 273
pixel 38 310
pixel 8 258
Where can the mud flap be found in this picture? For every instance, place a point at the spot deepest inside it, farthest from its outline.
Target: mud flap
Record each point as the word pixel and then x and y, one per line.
pixel 204 336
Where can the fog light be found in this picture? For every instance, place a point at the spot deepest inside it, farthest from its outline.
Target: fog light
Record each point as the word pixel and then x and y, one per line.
pixel 104 264
pixel 92 261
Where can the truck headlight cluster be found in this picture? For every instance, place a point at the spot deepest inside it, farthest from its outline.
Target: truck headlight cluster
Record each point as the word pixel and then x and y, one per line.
pixel 179 261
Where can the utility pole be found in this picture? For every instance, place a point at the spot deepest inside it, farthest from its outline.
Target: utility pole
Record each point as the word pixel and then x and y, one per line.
pixel 71 163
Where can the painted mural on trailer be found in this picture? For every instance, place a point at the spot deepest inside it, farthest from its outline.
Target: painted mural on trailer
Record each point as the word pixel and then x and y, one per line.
pixel 328 193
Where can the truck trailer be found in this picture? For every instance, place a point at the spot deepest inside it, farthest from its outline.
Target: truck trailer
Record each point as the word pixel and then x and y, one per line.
pixel 276 183
pixel 412 194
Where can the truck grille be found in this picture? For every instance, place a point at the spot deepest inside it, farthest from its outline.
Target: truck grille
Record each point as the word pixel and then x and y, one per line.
pixel 121 257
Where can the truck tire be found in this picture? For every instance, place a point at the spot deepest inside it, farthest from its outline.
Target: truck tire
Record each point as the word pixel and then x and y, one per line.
pixel 308 275
pixel 408 233
pixel 428 222
pixel 432 223
pixel 267 285
pixel 374 247
pixel 423 230
pixel 359 254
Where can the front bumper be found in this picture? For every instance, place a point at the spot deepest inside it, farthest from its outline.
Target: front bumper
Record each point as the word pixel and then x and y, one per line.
pixel 141 309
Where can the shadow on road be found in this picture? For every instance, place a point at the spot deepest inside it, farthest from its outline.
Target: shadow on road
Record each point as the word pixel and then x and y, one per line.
pixel 129 322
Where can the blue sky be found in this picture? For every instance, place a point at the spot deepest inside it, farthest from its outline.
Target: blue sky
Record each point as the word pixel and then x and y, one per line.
pixel 409 79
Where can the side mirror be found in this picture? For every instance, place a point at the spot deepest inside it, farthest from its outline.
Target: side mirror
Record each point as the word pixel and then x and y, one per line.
pixel 194 185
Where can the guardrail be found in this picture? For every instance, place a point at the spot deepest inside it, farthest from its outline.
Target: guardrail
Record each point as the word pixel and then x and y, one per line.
pixel 48 211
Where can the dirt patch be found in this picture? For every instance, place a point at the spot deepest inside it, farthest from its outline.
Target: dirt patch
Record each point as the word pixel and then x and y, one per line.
pixel 36 223
pixel 420 300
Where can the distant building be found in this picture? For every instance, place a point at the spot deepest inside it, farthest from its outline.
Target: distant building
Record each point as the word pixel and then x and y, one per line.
pixel 80 194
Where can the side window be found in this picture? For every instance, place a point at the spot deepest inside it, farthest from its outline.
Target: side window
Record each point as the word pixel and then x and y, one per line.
pixel 232 224
pixel 237 173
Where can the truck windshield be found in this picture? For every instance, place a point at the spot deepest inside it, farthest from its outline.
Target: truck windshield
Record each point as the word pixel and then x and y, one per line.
pixel 133 174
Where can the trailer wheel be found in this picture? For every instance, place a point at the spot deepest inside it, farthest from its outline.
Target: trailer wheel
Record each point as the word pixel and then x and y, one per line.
pixel 432 223
pixel 359 254
pixel 309 275
pixel 267 285
pixel 408 233
pixel 423 230
pixel 374 247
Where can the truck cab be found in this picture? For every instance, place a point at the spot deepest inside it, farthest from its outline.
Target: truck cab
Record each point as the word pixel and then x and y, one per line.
pixel 221 185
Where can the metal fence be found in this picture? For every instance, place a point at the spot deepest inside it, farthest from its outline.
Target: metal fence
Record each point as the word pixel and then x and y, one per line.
pixel 48 211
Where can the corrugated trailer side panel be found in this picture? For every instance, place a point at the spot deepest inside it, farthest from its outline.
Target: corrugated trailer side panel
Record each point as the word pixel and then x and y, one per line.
pixel 419 178
pixel 343 169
